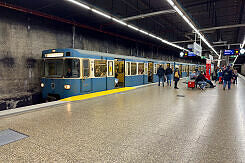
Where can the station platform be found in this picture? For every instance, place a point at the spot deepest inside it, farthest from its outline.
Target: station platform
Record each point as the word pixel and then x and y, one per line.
pixel 148 124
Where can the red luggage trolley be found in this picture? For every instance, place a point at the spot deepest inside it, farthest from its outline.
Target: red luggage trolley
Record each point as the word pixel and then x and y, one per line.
pixel 191 84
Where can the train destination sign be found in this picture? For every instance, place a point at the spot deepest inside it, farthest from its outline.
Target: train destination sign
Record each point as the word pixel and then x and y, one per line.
pixel 52 55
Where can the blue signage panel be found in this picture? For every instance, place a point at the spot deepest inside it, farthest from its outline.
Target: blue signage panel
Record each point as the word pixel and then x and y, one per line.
pixel 191 54
pixel 229 52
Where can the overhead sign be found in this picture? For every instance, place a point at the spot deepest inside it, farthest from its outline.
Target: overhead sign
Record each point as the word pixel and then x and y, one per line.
pixel 229 52
pixel 208 61
pixel 197 49
pixel 190 46
pixel 191 54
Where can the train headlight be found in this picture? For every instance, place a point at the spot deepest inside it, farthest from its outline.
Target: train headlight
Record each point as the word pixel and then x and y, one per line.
pixel 67 86
pixel 42 85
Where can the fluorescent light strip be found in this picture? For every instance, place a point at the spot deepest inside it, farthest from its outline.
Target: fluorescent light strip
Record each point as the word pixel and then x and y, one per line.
pixel 178 10
pixel 146 33
pixel 243 43
pixel 128 25
pixel 79 4
pixel 133 27
pixel 119 21
pixel 191 25
pixel 101 13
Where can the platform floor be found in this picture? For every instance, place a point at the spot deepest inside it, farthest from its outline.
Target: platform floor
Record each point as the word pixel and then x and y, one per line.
pixel 149 124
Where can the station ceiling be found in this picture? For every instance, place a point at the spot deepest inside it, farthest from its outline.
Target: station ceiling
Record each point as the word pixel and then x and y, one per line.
pixel 157 17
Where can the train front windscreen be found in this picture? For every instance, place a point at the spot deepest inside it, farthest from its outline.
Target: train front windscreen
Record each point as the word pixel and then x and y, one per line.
pixel 61 68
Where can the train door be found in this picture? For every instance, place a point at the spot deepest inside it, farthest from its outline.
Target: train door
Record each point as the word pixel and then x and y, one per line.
pixel 180 70
pixel 110 80
pixel 150 72
pixel 87 67
pixel 119 73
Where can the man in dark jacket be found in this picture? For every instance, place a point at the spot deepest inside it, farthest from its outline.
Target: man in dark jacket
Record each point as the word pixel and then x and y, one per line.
pixel 160 74
pixel 201 78
pixel 168 74
pixel 227 75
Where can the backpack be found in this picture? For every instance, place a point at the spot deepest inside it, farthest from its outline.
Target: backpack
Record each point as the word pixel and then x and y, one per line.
pixel 176 74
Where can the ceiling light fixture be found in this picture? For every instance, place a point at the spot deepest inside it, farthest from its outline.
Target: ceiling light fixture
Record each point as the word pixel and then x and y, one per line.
pixel 79 4
pixel 100 13
pixel 125 24
pixel 191 25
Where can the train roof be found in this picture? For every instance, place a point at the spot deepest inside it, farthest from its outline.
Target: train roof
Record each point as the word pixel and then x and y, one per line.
pixel 95 53
pixel 109 55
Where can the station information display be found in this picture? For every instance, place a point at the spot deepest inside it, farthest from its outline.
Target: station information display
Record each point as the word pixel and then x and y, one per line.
pixel 229 52
pixel 232 52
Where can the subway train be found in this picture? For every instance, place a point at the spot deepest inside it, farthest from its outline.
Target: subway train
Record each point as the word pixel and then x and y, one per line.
pixel 70 72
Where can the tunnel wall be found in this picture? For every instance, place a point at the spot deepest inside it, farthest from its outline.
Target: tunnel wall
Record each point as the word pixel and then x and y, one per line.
pixel 24 36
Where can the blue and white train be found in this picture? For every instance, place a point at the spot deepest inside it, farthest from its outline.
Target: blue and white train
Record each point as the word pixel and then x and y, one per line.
pixel 70 72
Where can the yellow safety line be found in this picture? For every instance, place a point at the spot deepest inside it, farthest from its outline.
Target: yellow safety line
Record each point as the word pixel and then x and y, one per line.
pixel 96 94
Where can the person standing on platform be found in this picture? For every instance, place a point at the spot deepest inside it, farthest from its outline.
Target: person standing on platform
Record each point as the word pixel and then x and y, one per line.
pixel 227 75
pixel 160 74
pixel 235 75
pixel 176 77
pixel 169 73
pixel 220 73
pixel 215 74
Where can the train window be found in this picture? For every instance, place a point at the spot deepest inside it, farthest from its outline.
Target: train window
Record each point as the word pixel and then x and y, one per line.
pixel 86 68
pixel 193 68
pixel 100 68
pixel 54 68
pixel 110 68
pixel 72 68
pixel 141 68
pixel 133 68
pixel 127 68
pixel 68 53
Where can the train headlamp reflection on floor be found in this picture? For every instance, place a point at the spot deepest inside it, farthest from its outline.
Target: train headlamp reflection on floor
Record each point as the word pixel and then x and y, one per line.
pixel 67 86
pixel 42 85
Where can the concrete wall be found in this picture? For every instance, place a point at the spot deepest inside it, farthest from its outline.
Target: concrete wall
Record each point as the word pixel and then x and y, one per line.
pixel 24 36
pixel 243 69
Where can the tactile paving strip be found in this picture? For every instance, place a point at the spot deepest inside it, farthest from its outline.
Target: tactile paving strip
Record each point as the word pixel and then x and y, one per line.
pixel 9 136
